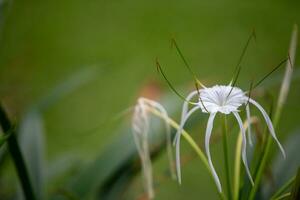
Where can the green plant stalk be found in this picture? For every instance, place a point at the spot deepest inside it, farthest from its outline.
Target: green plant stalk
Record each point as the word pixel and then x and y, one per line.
pixel 237 160
pixel 256 160
pixel 237 168
pixel 295 193
pixel 226 158
pixel 16 154
pixel 284 188
pixel 191 141
pixel 265 156
pixel 259 150
pixel 283 196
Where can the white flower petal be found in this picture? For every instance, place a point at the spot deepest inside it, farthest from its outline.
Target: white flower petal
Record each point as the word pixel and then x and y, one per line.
pixel 177 142
pixel 249 127
pixel 186 103
pixel 184 112
pixel 244 146
pixel 161 109
pixel 207 139
pixel 138 128
pixel 269 124
pixel 148 180
pixel 182 123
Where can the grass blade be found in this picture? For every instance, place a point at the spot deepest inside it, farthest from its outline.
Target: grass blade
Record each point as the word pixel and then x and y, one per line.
pixel 283 188
pixel 32 143
pixel 289 69
pixel 17 156
pixel 295 194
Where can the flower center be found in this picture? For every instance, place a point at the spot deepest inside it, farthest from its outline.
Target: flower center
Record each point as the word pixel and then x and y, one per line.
pixel 220 98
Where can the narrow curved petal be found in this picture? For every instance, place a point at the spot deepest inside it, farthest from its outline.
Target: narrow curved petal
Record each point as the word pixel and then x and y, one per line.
pixel 177 142
pixel 184 112
pixel 244 146
pixel 147 168
pixel 269 124
pixel 209 127
pixel 249 127
pixel 169 146
pixel 163 111
pixel 182 123
pixel 140 126
pixel 146 160
pixel 186 104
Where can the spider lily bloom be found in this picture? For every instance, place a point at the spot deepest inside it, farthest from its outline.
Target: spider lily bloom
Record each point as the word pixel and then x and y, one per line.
pixel 225 100
pixel 140 130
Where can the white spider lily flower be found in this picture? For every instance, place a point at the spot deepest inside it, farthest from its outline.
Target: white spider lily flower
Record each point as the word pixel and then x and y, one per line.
pixel 225 100
pixel 140 130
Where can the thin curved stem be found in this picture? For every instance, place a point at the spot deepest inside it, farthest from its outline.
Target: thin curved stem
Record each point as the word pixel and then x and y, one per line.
pixel 283 196
pixel 191 142
pixel 283 188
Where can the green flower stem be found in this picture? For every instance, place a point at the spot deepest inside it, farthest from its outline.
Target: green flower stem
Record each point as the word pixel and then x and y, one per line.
pixel 237 160
pixel 283 188
pixel 191 141
pixel 237 168
pixel 226 158
pixel 16 154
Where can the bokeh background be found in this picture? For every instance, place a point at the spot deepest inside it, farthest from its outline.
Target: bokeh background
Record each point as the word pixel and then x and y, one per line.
pixel 107 50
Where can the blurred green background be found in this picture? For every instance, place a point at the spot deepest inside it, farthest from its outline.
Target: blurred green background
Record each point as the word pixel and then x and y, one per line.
pixel 43 43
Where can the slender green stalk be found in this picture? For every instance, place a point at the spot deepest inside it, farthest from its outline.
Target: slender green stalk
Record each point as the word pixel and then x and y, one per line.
pixel 16 154
pixel 191 141
pixel 187 137
pixel 283 188
pixel 237 160
pixel 237 168
pixel 226 158
pixel 283 196
pixel 295 192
